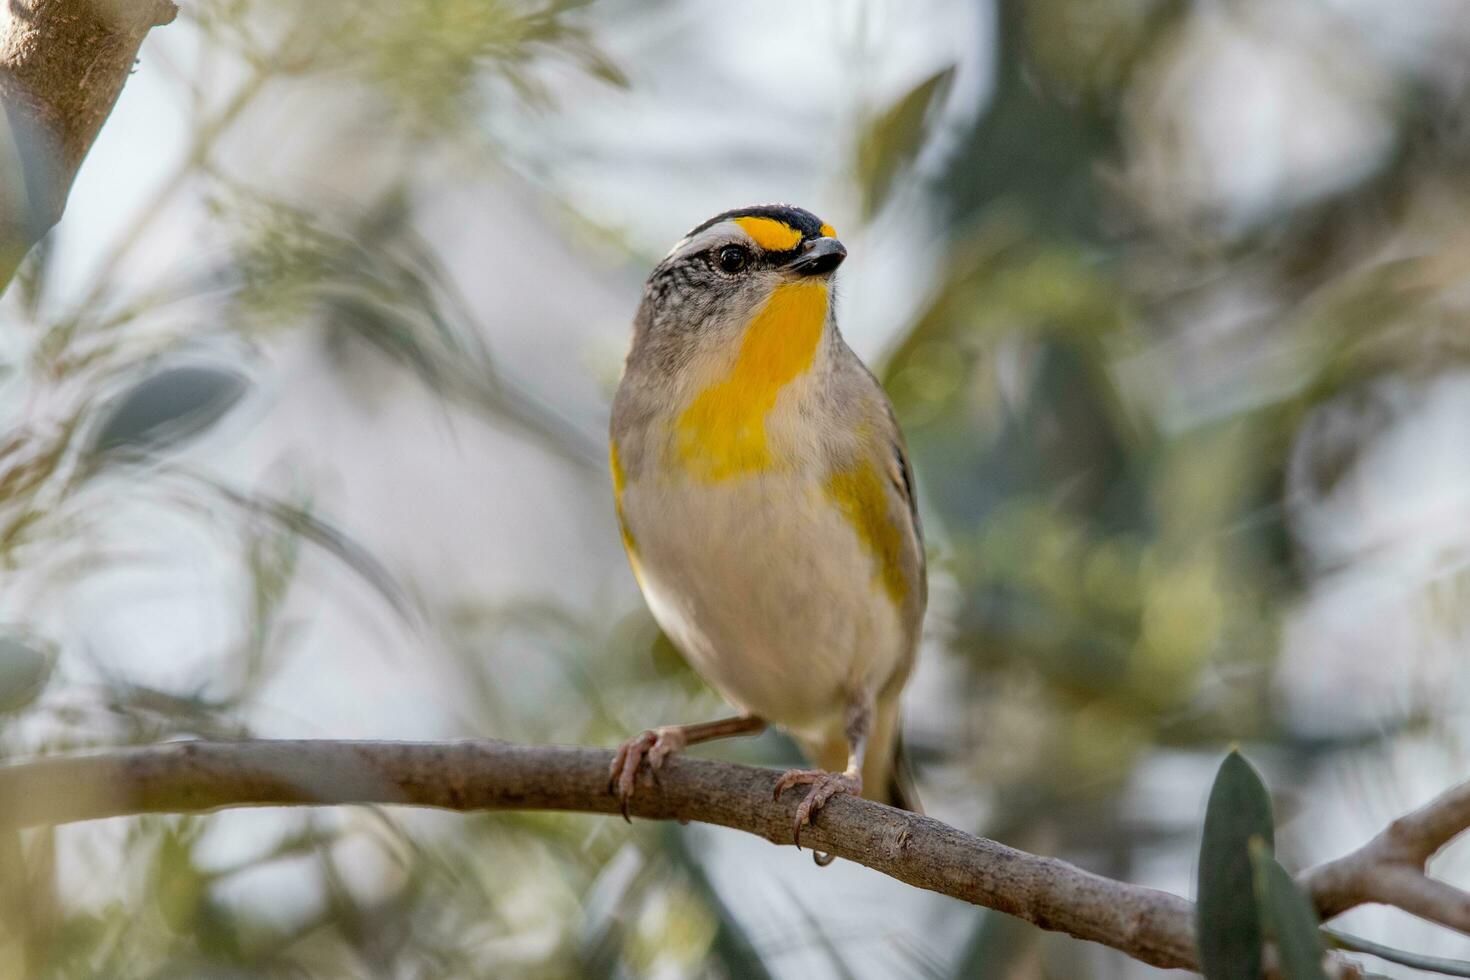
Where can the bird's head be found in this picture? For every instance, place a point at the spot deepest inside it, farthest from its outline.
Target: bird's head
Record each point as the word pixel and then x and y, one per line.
pixel 726 271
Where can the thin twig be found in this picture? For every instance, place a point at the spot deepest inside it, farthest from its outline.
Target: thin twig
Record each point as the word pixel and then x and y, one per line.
pixel 1435 964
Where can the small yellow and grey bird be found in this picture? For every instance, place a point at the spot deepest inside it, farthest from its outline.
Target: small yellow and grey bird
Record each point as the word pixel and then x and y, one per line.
pixel 767 506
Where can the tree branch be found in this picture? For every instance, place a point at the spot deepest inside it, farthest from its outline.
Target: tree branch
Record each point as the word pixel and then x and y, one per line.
pixel 62 65
pixel 1149 925
pixel 1391 868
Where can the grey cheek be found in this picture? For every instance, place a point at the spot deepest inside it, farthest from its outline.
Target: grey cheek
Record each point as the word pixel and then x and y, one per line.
pixel 694 301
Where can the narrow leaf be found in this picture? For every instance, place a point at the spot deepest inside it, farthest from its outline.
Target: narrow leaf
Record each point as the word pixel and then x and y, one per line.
pixel 25 666
pixel 1228 923
pixel 1287 917
pixel 895 137
pixel 167 408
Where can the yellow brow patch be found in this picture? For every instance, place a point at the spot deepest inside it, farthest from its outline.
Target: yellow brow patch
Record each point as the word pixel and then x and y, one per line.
pixel 828 231
pixel 859 494
pixel 722 434
pixel 770 234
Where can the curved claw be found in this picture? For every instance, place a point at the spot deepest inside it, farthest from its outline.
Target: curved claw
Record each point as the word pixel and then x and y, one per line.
pixel 653 746
pixel 824 786
pixel 620 774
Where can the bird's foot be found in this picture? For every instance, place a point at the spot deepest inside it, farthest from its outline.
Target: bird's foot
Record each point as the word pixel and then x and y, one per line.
pixel 652 746
pixel 824 786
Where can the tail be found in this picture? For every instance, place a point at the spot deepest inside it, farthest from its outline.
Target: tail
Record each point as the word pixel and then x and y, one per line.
pixel 901 792
pixel 887 777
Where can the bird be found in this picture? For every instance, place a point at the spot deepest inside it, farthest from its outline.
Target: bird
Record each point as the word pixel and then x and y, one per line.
pixel 767 507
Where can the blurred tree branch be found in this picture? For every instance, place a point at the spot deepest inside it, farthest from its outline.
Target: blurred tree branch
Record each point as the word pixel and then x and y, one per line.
pixel 62 65
pixel 1152 926
pixel 1391 868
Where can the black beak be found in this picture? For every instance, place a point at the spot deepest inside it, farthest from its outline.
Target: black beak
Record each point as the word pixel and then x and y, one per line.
pixel 818 257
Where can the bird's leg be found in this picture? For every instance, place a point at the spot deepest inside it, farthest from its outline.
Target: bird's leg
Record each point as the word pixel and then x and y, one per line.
pixel 824 784
pixel 657 744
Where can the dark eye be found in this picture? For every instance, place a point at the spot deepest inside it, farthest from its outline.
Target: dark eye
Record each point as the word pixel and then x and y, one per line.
pixel 732 258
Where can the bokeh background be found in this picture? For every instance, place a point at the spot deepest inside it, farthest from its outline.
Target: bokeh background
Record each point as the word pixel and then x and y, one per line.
pixel 305 403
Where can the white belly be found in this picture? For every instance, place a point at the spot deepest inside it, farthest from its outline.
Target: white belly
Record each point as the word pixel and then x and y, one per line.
pixel 768 591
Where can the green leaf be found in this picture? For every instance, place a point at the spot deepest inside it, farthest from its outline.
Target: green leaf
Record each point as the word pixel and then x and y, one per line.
pixel 1228 925
pixel 1287 917
pixel 894 138
pixel 167 408
pixel 25 666
pixel 24 181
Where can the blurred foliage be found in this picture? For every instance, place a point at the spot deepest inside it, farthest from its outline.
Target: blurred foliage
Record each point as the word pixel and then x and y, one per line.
pixel 1140 392
pixel 891 141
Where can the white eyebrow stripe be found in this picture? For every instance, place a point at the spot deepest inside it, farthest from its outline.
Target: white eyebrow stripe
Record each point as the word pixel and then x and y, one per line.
pixel 725 231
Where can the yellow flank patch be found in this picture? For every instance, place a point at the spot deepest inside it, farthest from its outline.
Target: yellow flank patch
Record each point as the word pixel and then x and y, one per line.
pixel 770 234
pixel 620 480
pixel 859 493
pixel 828 231
pixel 722 433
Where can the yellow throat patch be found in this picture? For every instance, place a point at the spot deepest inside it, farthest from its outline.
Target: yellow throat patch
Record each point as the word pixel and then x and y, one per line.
pixel 722 433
